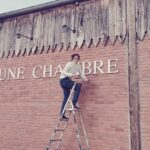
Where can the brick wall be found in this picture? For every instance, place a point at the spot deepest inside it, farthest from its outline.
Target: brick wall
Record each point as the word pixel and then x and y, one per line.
pixel 29 108
pixel 144 91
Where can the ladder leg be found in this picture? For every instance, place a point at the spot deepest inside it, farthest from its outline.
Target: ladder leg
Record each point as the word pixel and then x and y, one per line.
pixel 58 147
pixel 77 131
pixel 76 126
pixel 69 98
pixel 84 131
pixel 59 140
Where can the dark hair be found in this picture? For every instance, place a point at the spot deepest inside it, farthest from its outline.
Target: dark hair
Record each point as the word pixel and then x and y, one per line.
pixel 74 55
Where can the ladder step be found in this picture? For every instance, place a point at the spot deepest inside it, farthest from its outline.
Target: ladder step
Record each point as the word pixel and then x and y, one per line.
pixel 71 109
pixel 61 119
pixel 59 130
pixel 54 140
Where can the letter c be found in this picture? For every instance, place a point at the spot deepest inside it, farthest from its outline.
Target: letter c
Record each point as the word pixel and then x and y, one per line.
pixel 34 71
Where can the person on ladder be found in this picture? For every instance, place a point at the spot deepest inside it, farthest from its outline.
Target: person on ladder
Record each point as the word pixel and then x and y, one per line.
pixel 66 81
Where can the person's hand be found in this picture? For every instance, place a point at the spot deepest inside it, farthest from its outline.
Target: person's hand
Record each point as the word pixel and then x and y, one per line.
pixel 76 77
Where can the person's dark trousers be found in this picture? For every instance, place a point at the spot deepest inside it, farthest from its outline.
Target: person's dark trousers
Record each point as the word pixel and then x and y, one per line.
pixel 67 85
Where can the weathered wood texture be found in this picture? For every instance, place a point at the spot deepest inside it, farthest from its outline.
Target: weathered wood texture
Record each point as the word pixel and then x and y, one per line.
pixel 133 72
pixel 95 21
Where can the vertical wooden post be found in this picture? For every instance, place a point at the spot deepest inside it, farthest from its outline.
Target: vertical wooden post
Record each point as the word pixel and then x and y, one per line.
pixel 133 77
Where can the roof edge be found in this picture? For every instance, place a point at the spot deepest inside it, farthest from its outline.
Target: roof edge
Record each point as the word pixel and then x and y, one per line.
pixel 37 8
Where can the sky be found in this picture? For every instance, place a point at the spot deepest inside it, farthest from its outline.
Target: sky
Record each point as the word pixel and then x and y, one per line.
pixel 10 5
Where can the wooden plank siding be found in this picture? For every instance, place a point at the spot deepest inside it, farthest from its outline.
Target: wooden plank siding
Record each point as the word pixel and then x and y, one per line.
pixel 134 107
pixel 94 21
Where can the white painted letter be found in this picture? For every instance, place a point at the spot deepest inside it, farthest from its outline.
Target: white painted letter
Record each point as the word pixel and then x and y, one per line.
pixel 11 73
pixel 47 69
pixel 2 74
pixel 34 72
pixel 112 66
pixel 20 72
pixel 58 70
pixel 86 68
pixel 98 66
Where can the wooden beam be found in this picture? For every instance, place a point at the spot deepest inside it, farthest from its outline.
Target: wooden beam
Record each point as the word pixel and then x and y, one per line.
pixel 133 77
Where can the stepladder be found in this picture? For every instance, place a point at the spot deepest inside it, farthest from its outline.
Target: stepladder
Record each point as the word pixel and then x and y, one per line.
pixel 56 139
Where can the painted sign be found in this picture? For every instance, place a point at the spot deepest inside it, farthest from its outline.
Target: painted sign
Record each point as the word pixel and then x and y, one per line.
pixel 49 71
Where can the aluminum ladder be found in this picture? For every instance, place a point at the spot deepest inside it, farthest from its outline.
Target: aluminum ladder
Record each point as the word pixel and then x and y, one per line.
pixel 58 132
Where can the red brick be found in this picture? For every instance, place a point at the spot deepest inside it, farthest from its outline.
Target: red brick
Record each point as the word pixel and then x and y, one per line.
pixel 29 108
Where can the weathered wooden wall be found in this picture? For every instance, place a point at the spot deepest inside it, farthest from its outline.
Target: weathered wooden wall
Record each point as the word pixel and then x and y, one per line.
pixel 95 21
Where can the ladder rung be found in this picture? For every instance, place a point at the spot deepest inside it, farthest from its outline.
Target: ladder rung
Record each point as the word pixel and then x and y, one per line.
pixel 61 119
pixel 59 130
pixel 70 109
pixel 54 140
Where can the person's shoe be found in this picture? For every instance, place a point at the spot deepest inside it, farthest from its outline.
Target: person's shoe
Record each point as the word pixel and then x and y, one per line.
pixel 76 107
pixel 64 117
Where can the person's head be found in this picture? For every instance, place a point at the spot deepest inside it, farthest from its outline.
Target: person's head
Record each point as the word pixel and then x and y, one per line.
pixel 75 58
